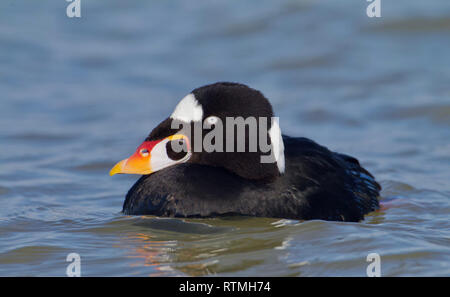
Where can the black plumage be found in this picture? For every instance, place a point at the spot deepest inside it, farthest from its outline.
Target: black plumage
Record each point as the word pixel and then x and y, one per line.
pixel 317 183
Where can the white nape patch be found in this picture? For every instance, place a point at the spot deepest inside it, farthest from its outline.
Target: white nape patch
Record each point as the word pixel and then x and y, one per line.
pixel 277 144
pixel 188 109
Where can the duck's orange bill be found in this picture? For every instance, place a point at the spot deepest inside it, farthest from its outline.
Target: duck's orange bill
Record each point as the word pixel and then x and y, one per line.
pixel 148 158
pixel 138 163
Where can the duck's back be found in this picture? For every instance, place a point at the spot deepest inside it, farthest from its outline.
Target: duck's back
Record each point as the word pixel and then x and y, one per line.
pixel 334 185
pixel 317 184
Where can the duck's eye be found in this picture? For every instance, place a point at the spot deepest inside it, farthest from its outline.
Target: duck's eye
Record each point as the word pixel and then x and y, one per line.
pixel 176 149
pixel 212 120
pixel 144 152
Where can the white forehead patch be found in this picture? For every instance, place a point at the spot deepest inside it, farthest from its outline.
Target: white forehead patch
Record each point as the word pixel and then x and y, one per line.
pixel 277 144
pixel 188 109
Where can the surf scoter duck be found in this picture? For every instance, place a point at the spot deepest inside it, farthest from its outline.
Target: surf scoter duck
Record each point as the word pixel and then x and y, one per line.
pixel 299 178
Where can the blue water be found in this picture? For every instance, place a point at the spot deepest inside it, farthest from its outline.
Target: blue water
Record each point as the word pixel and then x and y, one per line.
pixel 78 95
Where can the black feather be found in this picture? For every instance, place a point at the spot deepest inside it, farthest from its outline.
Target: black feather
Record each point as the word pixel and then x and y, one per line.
pixel 317 184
